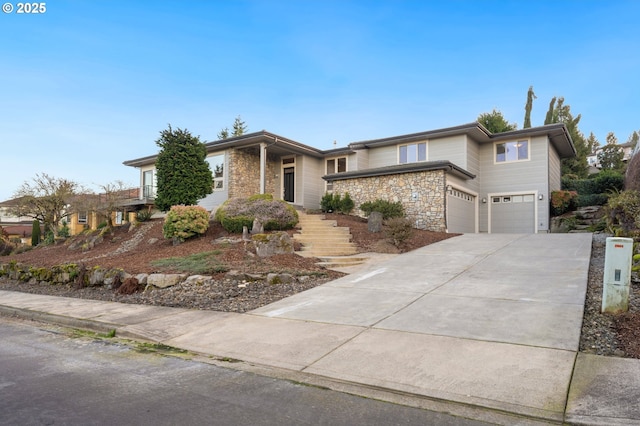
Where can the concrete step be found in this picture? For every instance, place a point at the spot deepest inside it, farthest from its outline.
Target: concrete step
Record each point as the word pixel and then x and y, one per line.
pixel 321 237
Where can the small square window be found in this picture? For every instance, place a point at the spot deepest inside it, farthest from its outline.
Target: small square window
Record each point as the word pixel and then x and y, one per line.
pixel 495 199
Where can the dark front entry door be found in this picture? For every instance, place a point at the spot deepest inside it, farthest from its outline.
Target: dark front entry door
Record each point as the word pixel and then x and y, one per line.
pixel 289 178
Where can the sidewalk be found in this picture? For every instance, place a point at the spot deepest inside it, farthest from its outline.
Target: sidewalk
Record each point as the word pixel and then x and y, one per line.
pixel 483 326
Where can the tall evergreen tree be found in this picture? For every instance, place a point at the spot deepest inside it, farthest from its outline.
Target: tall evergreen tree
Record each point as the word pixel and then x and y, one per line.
pixel 528 107
pixel 560 113
pixel 592 143
pixel 495 122
pixel 183 174
pixel 633 139
pixel 239 128
pixel 35 233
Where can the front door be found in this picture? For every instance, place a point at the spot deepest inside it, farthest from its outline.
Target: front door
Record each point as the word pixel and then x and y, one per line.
pixel 289 187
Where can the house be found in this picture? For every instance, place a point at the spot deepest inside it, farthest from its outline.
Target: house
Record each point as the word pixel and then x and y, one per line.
pixel 627 149
pixel 455 179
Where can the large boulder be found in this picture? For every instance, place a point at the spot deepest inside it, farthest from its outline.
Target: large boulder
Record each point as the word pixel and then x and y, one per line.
pixel 271 244
pixel 165 280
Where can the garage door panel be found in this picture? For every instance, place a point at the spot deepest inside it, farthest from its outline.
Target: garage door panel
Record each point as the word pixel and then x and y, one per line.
pixel 513 214
pixel 461 214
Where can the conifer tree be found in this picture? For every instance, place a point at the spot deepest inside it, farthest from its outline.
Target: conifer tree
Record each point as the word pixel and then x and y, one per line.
pixel 184 176
pixel 527 108
pixel 35 233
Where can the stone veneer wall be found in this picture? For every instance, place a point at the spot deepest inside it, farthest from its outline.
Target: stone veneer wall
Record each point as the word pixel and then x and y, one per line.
pixel 427 210
pixel 244 173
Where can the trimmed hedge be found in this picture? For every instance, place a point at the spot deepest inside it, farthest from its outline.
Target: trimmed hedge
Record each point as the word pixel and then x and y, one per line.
pixel 236 213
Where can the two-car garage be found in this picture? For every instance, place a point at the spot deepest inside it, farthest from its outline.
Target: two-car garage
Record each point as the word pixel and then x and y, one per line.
pixel 509 213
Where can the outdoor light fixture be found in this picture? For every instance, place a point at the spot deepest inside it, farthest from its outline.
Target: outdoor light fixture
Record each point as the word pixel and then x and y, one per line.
pixel 540 197
pixel 484 201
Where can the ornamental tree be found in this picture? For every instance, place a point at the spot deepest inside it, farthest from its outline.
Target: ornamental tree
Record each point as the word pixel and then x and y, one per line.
pixel 183 174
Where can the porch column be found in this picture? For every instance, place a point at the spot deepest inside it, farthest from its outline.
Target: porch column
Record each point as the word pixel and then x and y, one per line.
pixel 263 166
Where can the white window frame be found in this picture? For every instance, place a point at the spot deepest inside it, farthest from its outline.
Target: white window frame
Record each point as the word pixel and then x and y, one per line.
pixel 506 159
pixel 218 181
pixel 329 184
pixel 417 152
pixel 83 217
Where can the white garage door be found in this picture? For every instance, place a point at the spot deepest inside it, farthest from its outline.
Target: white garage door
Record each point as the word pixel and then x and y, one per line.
pixel 461 212
pixel 513 214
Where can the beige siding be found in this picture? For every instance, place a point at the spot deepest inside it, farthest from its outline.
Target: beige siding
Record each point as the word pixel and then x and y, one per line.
pixel 383 156
pixel 530 176
pixel 473 164
pixel 554 169
pixel 452 149
pixel 360 160
pixel 310 185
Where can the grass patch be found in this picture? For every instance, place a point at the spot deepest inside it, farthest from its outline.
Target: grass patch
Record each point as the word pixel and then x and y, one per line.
pixel 158 348
pixel 198 263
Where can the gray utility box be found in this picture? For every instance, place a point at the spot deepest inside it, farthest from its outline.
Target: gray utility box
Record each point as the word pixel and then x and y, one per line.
pixel 617 275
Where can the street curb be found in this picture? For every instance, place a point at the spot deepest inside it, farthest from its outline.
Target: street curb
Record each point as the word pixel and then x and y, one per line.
pixel 455 408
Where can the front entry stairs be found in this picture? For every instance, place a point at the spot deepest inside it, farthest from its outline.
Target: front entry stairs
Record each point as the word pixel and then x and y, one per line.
pixel 323 239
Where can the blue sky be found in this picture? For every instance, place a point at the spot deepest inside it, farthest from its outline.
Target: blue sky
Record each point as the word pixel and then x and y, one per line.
pixel 89 84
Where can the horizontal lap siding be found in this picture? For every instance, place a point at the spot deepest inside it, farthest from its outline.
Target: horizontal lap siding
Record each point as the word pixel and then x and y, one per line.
pixel 519 176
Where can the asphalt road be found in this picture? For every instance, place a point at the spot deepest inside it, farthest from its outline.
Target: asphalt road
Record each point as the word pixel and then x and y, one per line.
pixel 49 375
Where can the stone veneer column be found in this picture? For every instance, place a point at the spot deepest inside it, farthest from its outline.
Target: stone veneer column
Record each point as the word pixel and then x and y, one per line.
pixel 422 195
pixel 244 173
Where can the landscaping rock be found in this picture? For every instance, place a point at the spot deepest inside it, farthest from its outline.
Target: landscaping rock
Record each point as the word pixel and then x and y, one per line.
pixel 165 280
pixel 197 280
pixel 268 245
pixel 257 228
pixel 374 224
pixel 280 278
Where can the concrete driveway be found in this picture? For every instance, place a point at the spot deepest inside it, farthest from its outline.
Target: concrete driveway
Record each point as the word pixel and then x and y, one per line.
pixel 492 320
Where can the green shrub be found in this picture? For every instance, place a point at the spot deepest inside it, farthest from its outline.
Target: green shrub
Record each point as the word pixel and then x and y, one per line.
pixel 64 231
pixel 328 202
pixel 236 213
pixel 184 222
pixel 144 215
pixel 562 202
pixel 35 233
pixel 346 205
pixel 623 213
pixel 595 189
pixel 592 200
pixel 256 197
pixel 398 230
pixel 388 209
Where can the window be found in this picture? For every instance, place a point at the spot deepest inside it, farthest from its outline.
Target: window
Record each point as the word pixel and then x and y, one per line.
pixel 412 153
pixel 216 163
pixel 512 151
pixel 335 165
pixel 82 217
pixel 147 184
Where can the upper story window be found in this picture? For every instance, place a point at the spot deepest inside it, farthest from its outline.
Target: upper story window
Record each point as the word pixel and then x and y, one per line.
pixel 512 151
pixel 412 153
pixel 216 162
pixel 335 165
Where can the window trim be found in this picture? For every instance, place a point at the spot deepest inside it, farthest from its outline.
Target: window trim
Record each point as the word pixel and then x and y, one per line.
pixel 220 179
pixel 506 160
pixel 329 184
pixel 86 217
pixel 416 144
